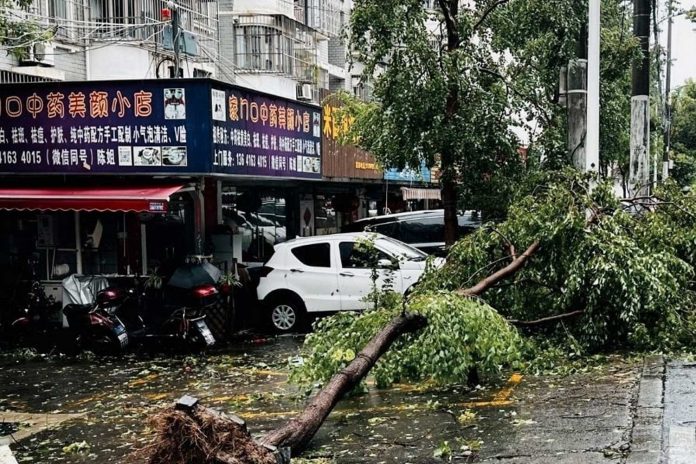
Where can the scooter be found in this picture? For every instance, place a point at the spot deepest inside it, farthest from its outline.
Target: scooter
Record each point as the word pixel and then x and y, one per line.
pixel 169 314
pixel 37 325
pixel 97 327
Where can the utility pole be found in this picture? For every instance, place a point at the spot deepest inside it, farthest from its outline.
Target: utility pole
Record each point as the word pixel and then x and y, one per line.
pixel 668 105
pixel 592 145
pixel 575 78
pixel 175 36
pixel 640 103
pixel 582 95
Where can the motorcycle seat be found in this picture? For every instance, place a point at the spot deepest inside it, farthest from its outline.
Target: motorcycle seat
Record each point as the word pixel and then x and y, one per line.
pixel 76 309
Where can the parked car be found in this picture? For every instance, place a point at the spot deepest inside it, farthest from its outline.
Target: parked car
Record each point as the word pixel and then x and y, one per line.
pixel 424 230
pixel 327 273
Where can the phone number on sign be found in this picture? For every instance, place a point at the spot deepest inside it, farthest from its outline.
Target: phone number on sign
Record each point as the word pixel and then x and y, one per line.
pixel 26 157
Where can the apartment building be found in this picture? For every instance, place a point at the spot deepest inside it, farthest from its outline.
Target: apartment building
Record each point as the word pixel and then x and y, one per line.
pixel 113 39
pixel 288 48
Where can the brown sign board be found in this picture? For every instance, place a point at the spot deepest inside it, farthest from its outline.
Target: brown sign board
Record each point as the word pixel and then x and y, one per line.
pixel 338 160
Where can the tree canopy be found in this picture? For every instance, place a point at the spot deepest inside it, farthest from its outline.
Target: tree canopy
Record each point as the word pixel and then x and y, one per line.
pixel 684 133
pixel 456 84
pixel 17 32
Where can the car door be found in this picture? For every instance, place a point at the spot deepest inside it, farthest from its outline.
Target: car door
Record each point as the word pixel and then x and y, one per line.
pixel 355 276
pixel 312 274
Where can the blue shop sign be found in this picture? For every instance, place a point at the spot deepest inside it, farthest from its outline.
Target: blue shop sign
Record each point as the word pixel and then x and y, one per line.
pixel 177 126
pixel 408 175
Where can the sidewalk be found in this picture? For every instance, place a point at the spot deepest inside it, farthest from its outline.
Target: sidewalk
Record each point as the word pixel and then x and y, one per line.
pixel 664 424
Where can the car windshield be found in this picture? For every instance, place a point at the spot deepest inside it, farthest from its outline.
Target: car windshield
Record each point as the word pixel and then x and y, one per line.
pixel 400 249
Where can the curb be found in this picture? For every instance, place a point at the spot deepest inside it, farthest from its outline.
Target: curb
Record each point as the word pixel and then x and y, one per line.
pixel 646 433
pixel 6 456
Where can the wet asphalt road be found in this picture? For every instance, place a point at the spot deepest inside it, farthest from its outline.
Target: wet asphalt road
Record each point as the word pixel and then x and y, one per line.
pixel 584 418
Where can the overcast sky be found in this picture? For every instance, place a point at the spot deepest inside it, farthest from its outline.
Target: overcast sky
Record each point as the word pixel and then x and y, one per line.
pixel 683 47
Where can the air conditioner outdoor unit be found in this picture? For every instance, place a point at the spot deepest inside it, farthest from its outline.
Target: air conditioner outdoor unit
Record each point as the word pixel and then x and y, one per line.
pixel 41 53
pixel 304 92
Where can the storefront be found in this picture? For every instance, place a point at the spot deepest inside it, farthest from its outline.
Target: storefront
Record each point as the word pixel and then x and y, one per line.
pixel 120 178
pixel 359 186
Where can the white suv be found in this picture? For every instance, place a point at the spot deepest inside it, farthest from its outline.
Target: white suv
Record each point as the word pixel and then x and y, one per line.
pixel 325 274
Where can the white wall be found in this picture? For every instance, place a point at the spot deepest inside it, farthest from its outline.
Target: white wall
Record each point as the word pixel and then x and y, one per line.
pixel 284 7
pixel 269 83
pixel 120 62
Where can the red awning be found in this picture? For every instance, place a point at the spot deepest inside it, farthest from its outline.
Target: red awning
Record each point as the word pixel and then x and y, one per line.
pixel 138 199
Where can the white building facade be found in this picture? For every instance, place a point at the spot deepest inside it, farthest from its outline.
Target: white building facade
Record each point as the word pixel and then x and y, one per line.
pixel 288 48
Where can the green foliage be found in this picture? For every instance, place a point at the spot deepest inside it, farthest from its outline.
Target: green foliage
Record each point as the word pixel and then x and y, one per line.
pixel 17 32
pixel 630 273
pixel 438 100
pixel 684 134
pixel 366 255
pixel 461 334
pixel 691 14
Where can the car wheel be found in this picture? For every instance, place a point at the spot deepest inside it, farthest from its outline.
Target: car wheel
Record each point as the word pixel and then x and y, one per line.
pixel 286 315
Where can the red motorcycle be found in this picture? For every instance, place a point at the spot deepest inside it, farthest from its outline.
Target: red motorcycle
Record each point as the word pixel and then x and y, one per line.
pixel 97 327
pixel 37 325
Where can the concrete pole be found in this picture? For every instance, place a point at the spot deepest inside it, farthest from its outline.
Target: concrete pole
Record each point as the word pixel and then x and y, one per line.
pixel 639 179
pixel 592 144
pixel 576 101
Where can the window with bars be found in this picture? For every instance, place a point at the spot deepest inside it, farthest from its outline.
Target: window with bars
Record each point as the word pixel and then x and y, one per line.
pixel 263 48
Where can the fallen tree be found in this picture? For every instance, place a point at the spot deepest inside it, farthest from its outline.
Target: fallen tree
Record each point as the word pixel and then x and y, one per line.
pixel 194 433
pixel 629 274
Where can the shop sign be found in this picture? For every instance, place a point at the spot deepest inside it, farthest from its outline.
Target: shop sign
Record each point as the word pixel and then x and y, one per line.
pixel 172 126
pixel 343 160
pixel 409 175
pixel 157 207
pixel 102 127
pixel 260 135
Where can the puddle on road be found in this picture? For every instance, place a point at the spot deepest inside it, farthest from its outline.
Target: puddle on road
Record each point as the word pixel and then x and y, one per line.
pixel 407 423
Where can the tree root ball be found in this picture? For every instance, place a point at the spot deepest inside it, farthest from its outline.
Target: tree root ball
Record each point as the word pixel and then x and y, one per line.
pixel 201 436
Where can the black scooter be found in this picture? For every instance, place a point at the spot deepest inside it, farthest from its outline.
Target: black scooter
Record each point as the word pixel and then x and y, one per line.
pixel 169 314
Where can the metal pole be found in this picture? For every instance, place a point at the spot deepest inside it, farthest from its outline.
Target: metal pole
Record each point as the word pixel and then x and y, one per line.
pixel 592 145
pixel 175 37
pixel 668 106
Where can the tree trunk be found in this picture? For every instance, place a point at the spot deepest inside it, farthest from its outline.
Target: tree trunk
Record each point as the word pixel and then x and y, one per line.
pixel 298 432
pixel 449 199
pixel 450 11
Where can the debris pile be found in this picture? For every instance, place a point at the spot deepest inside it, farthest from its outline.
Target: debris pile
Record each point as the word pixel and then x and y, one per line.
pixel 203 436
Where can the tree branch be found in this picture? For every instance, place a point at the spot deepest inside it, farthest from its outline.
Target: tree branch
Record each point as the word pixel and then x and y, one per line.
pixel 501 274
pixel 508 243
pixel 545 320
pixel 544 115
pixel 487 12
pixel 297 433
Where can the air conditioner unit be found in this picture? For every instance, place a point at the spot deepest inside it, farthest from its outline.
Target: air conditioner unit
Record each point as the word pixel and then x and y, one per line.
pixel 40 53
pixel 304 92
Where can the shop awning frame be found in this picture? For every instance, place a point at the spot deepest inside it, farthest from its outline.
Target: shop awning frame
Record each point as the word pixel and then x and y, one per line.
pixel 410 193
pixel 150 199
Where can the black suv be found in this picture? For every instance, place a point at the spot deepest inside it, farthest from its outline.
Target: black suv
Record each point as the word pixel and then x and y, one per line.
pixel 424 230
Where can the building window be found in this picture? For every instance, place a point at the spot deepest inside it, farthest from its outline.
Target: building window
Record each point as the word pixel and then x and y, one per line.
pixel 263 48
